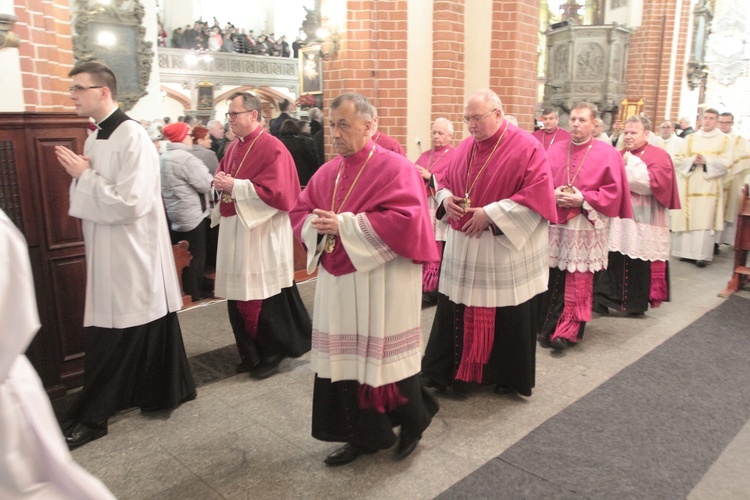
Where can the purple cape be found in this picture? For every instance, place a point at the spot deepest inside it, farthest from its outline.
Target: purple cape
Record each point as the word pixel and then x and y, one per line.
pixel 390 192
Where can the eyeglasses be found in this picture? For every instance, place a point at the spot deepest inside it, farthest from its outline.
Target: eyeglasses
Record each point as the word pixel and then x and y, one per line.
pixel 232 115
pixel 77 89
pixel 475 119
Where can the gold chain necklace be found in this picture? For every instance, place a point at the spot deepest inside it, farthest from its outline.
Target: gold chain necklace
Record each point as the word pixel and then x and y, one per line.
pixel 465 202
pixel 553 138
pixel 227 198
pixel 569 187
pixel 330 244
pixel 429 162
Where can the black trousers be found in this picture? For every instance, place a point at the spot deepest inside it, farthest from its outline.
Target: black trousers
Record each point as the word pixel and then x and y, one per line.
pixel 192 276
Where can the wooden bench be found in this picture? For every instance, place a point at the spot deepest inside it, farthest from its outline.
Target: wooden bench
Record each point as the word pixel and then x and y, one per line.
pixel 741 246
pixel 182 258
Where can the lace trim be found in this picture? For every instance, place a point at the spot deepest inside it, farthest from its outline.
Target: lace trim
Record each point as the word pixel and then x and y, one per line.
pixel 572 248
pixel 639 241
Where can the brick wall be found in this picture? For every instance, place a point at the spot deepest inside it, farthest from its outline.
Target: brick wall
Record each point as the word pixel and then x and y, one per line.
pixel 448 63
pixel 372 61
pixel 649 57
pixel 514 57
pixel 45 53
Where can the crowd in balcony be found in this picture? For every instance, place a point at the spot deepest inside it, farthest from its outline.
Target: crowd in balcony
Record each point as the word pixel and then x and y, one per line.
pixel 202 36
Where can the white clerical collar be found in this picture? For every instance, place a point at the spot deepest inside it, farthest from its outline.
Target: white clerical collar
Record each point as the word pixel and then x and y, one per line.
pixel 581 143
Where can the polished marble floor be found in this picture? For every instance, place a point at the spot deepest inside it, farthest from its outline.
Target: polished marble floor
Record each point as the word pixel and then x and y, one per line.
pixel 249 439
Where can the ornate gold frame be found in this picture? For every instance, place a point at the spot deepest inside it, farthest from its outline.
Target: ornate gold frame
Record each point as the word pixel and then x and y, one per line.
pixel 630 108
pixel 130 58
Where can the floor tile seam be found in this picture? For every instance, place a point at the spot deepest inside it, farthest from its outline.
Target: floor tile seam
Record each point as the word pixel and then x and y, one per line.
pixel 541 478
pixel 193 472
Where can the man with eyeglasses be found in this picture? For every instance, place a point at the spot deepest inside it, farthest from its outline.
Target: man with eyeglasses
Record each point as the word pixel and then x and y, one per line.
pixel 590 188
pixel 135 356
pixel 257 185
pixel 550 132
pixel 701 164
pixel 497 199
pixel 735 178
pixel 363 218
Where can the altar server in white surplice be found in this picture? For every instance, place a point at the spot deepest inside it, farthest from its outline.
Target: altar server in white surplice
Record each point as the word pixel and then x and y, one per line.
pixel 135 357
pixel 34 460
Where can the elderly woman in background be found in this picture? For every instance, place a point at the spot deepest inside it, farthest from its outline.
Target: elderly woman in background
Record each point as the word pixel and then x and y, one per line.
pixel 185 180
pixel 202 148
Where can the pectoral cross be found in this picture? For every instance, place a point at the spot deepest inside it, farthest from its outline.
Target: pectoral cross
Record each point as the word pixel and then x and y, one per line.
pixel 330 244
pixel 568 189
pixel 465 203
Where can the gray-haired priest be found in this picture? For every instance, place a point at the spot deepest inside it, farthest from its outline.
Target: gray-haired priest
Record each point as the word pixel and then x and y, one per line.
pixel 364 218
pixel 497 197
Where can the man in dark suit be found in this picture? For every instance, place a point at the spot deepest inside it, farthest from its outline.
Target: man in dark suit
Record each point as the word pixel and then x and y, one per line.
pixel 284 116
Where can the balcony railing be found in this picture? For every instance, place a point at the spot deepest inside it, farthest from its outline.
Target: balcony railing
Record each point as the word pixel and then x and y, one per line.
pixel 228 69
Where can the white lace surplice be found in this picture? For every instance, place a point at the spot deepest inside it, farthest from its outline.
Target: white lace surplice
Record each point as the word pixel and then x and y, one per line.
pixel 646 235
pixel 579 245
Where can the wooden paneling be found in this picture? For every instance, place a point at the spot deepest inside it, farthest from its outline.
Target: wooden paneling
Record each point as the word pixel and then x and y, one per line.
pixel 34 194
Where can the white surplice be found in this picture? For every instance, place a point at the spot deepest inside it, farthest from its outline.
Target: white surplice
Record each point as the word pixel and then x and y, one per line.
pixel 733 183
pixel 497 271
pixel 34 460
pixel 255 255
pixel 366 325
pixel 646 235
pixel 131 278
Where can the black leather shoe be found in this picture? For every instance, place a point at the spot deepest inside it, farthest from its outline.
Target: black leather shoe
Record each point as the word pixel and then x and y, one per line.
pixel 701 263
pixel 347 454
pixel 81 434
pixel 243 367
pixel 406 445
pixel 266 367
pixel 560 344
pixel 502 389
pixel 544 341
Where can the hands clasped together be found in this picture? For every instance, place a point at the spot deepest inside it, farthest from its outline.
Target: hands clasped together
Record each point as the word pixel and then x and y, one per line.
pixel 326 222
pixel 475 225
pixel 223 182
pixel 566 199
pixel 73 163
